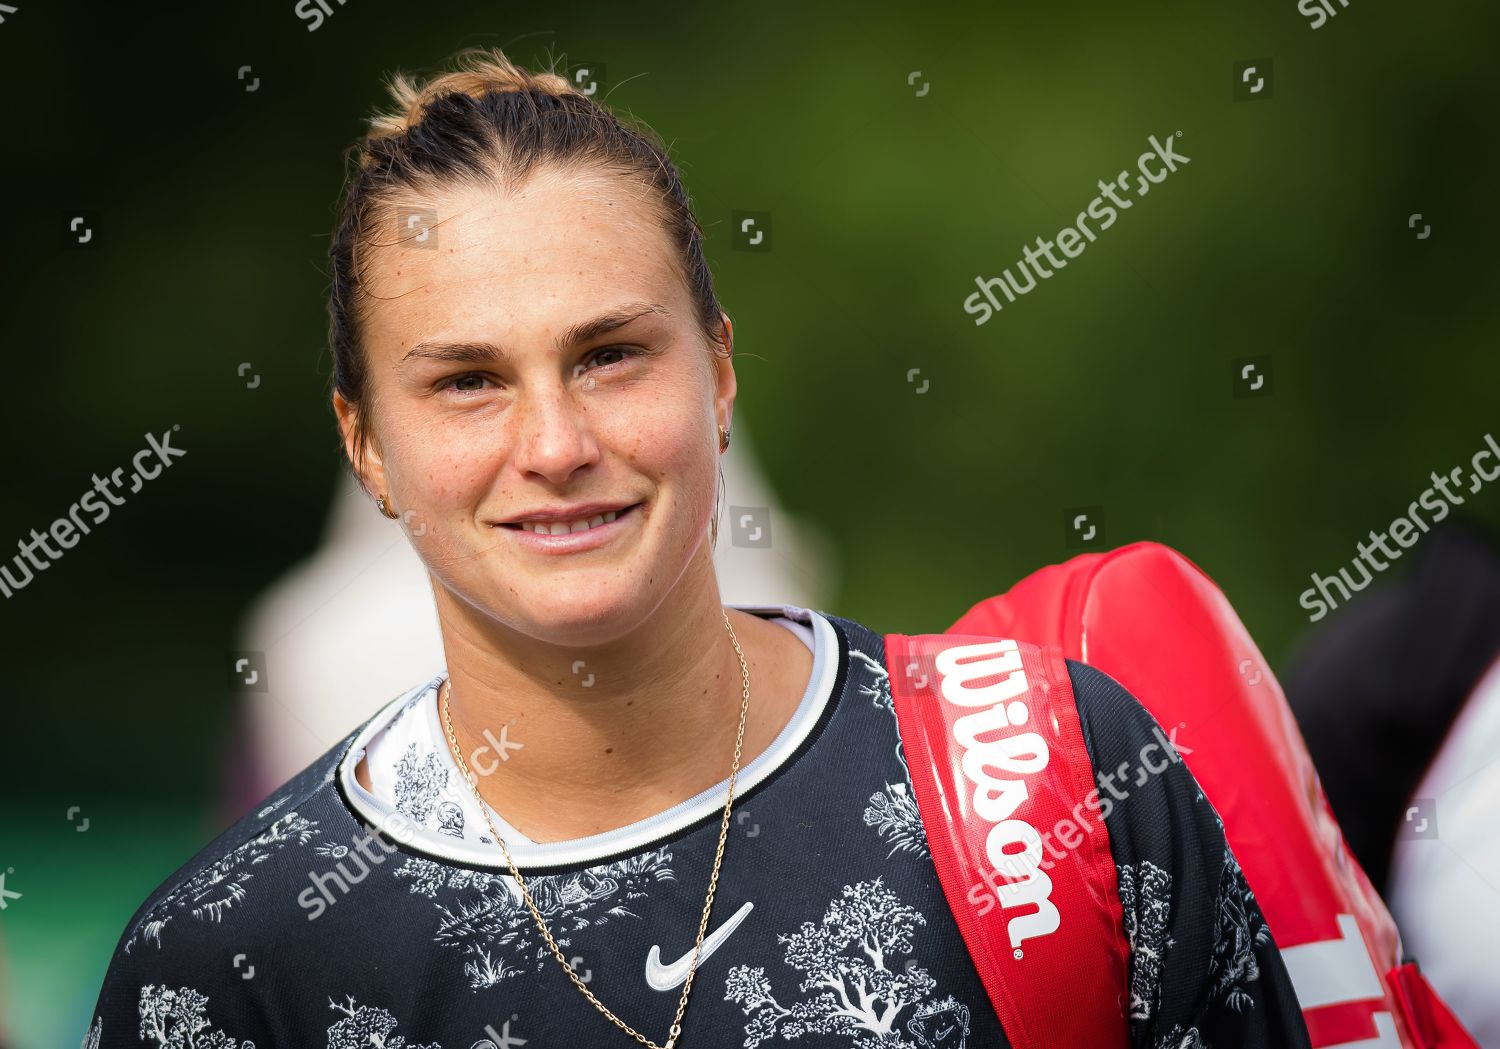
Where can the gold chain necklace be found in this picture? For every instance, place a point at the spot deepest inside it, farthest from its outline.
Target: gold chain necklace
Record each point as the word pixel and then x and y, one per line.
pixel 713 880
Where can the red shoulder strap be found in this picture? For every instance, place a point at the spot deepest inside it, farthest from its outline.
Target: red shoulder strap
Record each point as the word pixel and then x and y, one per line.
pixel 997 761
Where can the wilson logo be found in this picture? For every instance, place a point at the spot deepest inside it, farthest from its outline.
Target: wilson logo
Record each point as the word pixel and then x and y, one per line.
pixel 996 738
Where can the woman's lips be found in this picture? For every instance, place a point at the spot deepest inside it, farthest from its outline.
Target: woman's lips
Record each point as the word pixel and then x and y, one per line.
pixel 574 542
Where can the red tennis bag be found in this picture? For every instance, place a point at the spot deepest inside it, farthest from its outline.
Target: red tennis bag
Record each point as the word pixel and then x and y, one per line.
pixel 992 738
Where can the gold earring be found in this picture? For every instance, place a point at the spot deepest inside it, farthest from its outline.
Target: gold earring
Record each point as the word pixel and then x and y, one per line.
pixel 723 438
pixel 385 507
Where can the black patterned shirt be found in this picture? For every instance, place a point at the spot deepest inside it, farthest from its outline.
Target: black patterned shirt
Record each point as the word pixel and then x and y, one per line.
pixel 340 917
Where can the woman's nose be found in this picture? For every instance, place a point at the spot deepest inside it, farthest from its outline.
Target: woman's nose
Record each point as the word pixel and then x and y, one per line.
pixel 555 439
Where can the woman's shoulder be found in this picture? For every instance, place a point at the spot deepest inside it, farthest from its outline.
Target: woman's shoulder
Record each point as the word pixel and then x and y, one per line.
pixel 237 903
pixel 260 847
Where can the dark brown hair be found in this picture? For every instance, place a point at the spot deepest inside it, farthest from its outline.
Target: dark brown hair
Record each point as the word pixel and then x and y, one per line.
pixel 489 123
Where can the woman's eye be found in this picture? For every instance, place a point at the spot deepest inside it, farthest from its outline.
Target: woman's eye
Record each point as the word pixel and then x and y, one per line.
pixel 476 382
pixel 601 357
pixel 473 382
pixel 611 349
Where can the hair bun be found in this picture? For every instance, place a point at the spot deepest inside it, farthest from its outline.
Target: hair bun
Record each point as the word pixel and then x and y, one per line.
pixel 479 71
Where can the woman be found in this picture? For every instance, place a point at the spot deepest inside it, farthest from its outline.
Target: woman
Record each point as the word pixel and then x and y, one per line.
pixel 619 792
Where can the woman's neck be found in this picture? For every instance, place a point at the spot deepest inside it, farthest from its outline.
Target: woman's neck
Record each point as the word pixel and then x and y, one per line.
pixel 567 742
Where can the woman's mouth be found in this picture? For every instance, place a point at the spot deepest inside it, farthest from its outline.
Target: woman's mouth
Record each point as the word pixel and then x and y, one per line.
pixel 584 533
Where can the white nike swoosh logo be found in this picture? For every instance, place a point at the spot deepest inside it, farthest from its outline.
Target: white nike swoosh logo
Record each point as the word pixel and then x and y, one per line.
pixel 665 977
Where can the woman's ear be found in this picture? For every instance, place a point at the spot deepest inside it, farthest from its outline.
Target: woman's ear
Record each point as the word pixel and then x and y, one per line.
pixel 366 461
pixel 724 378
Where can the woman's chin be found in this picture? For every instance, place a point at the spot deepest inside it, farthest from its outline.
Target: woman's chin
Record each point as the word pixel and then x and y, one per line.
pixel 571 630
pixel 579 609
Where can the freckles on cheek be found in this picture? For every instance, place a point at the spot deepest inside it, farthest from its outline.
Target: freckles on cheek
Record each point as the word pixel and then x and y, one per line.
pixel 662 454
pixel 440 474
pixel 450 463
pixel 456 480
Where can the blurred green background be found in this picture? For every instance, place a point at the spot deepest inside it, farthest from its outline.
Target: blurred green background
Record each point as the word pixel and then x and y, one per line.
pixel 1109 385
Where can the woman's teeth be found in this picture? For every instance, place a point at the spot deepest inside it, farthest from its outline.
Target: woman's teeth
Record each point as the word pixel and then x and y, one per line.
pixel 565 527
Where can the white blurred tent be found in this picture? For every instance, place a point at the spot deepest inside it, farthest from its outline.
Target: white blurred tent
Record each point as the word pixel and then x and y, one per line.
pixel 354 625
pixel 1445 885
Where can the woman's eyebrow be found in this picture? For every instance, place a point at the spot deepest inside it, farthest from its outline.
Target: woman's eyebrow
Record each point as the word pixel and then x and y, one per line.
pixel 488 353
pixel 608 322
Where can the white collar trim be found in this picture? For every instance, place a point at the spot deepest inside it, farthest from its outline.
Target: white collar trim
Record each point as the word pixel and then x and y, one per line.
pixel 631 838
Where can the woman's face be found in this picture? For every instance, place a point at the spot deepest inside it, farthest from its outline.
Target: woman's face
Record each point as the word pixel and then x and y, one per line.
pixel 502 382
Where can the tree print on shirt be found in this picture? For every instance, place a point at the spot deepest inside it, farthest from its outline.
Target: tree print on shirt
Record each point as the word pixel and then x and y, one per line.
pixel 220 885
pixel 878 688
pixel 1146 905
pixel 846 962
pixel 1181 1038
pixel 1145 900
pixel 367 1027
pixel 179 1020
pixel 1239 931
pixel 419 784
pixel 427 877
pixel 892 811
pixel 493 930
pixel 94 1034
